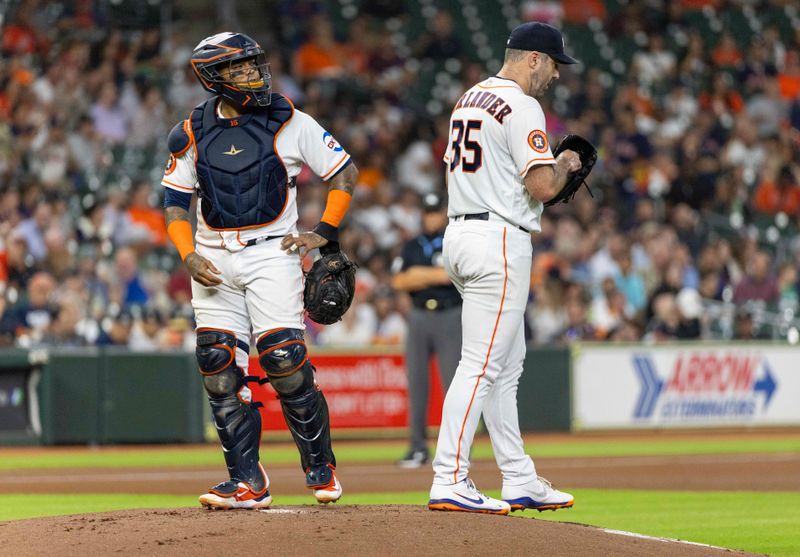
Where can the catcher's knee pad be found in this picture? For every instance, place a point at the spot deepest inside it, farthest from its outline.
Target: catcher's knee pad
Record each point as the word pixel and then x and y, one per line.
pixel 216 356
pixel 282 355
pixel 238 422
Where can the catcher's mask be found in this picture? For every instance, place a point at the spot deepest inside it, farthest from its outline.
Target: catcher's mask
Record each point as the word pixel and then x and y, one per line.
pixel 225 50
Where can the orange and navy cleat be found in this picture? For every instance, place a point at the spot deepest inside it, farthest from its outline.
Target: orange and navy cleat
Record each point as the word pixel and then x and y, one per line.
pixel 325 484
pixel 236 495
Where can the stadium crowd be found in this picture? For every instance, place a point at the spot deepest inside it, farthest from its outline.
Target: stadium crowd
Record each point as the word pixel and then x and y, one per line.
pixel 699 141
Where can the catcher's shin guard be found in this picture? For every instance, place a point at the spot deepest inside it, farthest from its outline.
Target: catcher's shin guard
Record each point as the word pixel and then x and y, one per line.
pixel 282 355
pixel 237 421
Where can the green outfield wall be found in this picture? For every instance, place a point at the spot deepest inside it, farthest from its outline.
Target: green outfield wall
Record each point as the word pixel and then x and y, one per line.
pixel 109 396
pixel 99 395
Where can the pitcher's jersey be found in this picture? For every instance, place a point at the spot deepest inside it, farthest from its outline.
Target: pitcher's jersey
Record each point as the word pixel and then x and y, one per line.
pixel 300 141
pixel 497 134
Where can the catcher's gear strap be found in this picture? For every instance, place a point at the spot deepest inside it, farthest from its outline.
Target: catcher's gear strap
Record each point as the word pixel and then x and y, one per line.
pixel 336 207
pixel 180 138
pixel 180 232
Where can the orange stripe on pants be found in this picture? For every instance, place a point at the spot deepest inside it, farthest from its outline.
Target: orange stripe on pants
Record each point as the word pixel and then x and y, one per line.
pixel 486 362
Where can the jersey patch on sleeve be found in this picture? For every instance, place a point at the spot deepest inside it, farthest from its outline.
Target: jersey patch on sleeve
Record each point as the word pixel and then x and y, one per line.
pixel 171 164
pixel 537 139
pixel 330 142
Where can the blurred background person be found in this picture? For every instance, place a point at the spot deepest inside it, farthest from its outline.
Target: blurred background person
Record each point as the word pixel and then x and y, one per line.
pixel 434 321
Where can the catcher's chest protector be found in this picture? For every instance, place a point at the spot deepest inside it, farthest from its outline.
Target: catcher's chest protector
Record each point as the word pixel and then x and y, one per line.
pixel 242 179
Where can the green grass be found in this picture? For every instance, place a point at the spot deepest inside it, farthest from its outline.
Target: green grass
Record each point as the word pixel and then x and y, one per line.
pixel 15 507
pixel 752 521
pixel 348 452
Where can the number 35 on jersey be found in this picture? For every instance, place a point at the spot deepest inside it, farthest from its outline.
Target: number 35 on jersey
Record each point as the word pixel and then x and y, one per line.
pixel 465 147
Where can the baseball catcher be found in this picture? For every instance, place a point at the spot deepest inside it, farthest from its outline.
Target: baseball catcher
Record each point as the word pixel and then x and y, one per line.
pixel 239 153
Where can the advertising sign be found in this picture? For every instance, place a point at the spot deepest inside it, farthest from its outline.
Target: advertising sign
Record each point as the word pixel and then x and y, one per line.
pixel 362 391
pixel 682 386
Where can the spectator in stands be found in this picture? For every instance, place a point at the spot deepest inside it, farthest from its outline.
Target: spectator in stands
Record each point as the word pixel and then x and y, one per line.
pixel 33 229
pixel 578 326
pixel 744 326
pixel 656 64
pixel 726 55
pixel 630 284
pixel 357 327
pixel 78 118
pixel 31 318
pixel 547 318
pixel 143 215
pixel 788 287
pixel 789 76
pixel 108 117
pixel 665 324
pixel 608 310
pixel 129 278
pixel 116 329
pixel 758 284
pixel 779 194
pixel 320 57
pixel 440 42
pixel 147 331
pixel 767 109
pixel 63 331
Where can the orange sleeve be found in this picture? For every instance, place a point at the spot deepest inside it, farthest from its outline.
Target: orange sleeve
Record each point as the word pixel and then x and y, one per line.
pixel 180 232
pixel 336 207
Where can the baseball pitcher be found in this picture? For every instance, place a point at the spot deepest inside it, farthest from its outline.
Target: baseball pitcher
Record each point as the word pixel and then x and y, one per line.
pixel 239 153
pixel 500 172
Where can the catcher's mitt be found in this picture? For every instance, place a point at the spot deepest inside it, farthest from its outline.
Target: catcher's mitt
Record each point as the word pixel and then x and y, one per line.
pixel 330 286
pixel 588 156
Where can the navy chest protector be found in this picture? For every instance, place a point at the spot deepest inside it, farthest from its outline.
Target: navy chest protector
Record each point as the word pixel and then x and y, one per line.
pixel 243 182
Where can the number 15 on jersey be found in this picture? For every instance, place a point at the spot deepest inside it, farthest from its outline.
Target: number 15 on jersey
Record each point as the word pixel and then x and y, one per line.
pixel 465 147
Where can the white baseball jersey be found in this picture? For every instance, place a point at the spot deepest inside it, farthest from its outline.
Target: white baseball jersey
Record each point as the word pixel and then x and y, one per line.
pixel 497 134
pixel 301 141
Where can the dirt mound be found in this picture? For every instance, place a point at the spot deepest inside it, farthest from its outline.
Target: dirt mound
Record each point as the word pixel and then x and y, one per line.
pixel 326 531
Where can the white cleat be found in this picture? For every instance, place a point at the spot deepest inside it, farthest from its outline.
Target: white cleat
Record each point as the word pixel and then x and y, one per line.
pixel 538 494
pixel 464 496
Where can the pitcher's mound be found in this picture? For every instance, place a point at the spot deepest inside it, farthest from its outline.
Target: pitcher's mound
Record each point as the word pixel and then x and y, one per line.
pixel 326 531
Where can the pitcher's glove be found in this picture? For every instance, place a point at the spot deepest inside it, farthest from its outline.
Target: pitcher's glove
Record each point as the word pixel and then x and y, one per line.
pixel 588 156
pixel 330 286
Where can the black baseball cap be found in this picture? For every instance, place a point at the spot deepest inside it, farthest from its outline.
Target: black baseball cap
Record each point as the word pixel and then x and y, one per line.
pixel 540 37
pixel 432 202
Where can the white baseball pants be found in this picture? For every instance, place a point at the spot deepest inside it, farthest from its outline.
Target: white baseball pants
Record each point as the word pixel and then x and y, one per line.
pixel 490 264
pixel 262 289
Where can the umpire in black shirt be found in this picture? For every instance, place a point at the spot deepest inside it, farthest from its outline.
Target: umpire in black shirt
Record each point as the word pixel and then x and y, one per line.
pixel 434 324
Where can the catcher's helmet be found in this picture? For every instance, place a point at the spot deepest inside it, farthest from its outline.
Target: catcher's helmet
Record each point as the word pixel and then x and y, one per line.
pixel 225 50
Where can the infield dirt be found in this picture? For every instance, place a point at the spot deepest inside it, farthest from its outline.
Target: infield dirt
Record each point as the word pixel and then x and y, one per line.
pixel 364 530
pixel 326 531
